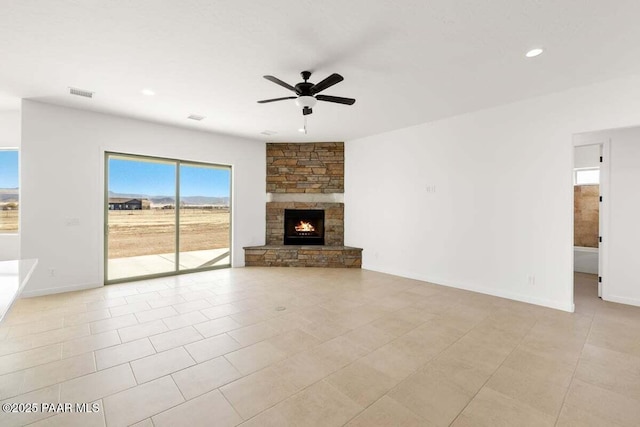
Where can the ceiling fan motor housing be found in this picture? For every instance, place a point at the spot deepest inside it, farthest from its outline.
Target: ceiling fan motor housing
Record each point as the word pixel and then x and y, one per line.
pixel 304 88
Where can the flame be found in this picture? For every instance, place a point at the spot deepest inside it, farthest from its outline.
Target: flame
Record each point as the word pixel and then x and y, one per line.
pixel 304 226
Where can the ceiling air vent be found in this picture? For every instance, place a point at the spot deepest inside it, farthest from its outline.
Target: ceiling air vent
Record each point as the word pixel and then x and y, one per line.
pixel 81 92
pixel 196 117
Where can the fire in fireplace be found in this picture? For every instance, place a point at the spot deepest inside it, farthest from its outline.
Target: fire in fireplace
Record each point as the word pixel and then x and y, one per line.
pixel 304 227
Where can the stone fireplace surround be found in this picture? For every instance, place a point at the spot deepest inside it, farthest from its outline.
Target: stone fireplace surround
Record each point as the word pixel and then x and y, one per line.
pixel 304 176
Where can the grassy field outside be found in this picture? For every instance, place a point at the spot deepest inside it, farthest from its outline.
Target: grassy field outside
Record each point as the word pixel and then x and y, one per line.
pixel 9 221
pixel 152 231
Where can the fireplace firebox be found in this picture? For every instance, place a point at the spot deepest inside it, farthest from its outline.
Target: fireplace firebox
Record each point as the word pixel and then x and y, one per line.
pixel 304 227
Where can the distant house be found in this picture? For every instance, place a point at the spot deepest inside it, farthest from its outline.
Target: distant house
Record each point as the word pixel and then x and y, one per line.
pixel 125 204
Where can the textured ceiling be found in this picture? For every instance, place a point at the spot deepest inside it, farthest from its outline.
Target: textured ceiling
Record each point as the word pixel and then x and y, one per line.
pixel 406 62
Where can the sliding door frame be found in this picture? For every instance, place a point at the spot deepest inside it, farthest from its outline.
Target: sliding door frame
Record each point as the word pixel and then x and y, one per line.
pixel 178 163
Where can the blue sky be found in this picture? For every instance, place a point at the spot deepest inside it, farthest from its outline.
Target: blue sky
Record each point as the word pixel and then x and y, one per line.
pixel 8 169
pixel 203 181
pixel 158 179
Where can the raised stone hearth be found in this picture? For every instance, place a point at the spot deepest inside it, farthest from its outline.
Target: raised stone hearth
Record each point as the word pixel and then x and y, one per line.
pixel 304 176
pixel 303 256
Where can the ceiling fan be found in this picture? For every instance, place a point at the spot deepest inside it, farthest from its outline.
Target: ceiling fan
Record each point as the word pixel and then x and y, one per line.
pixel 308 93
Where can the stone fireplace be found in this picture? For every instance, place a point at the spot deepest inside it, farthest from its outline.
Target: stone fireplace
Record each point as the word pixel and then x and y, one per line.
pixel 305 209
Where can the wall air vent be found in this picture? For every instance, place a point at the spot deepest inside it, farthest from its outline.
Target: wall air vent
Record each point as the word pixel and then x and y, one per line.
pixel 196 117
pixel 81 92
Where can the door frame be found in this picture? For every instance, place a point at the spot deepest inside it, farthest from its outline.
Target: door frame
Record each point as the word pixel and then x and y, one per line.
pixel 581 140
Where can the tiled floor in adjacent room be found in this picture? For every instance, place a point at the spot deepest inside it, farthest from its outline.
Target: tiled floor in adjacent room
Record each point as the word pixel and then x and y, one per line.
pixel 318 347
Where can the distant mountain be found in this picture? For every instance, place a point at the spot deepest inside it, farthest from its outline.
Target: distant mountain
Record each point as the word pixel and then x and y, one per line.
pixel 203 200
pixel 162 200
pixel 8 195
pixel 168 200
pixel 129 196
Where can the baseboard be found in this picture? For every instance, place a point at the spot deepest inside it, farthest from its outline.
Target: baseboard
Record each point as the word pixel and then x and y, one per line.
pixel 57 290
pixel 569 307
pixel 582 270
pixel 621 300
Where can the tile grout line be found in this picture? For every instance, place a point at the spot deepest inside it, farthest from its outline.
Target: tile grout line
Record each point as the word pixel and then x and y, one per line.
pixel 360 358
pixel 289 356
pixel 496 370
pixel 412 372
pixel 95 363
pixel 181 393
pixel 67 380
pixel 229 402
pixel 395 339
pixel 575 369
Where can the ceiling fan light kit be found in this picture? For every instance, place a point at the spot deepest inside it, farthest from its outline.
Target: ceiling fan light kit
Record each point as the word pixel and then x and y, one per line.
pixel 305 101
pixel 307 93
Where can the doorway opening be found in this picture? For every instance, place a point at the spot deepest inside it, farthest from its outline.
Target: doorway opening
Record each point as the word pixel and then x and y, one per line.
pixel 589 187
pixel 165 217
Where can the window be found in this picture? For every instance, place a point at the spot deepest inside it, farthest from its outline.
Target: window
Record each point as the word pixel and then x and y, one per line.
pixel 9 197
pixel 587 176
pixel 165 216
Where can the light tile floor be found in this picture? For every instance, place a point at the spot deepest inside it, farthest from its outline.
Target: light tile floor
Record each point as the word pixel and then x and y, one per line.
pixel 318 347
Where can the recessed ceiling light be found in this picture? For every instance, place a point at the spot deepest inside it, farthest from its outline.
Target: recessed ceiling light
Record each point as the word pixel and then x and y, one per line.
pixel 196 117
pixel 534 52
pixel 147 92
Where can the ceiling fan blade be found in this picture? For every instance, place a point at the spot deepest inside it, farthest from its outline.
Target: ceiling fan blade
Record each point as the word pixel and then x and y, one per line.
pixel 306 111
pixel 328 82
pixel 280 82
pixel 336 99
pixel 264 101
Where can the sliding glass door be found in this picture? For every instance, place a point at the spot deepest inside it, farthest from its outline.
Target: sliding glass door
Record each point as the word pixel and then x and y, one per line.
pixel 205 218
pixel 141 221
pixel 165 216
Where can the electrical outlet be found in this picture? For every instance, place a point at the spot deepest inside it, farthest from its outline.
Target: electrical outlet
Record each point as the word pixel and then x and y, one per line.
pixel 72 222
pixel 532 280
pixel 52 272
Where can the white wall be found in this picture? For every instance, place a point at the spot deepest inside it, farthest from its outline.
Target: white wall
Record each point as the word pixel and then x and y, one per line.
pixel 63 177
pixel 9 138
pixel 501 218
